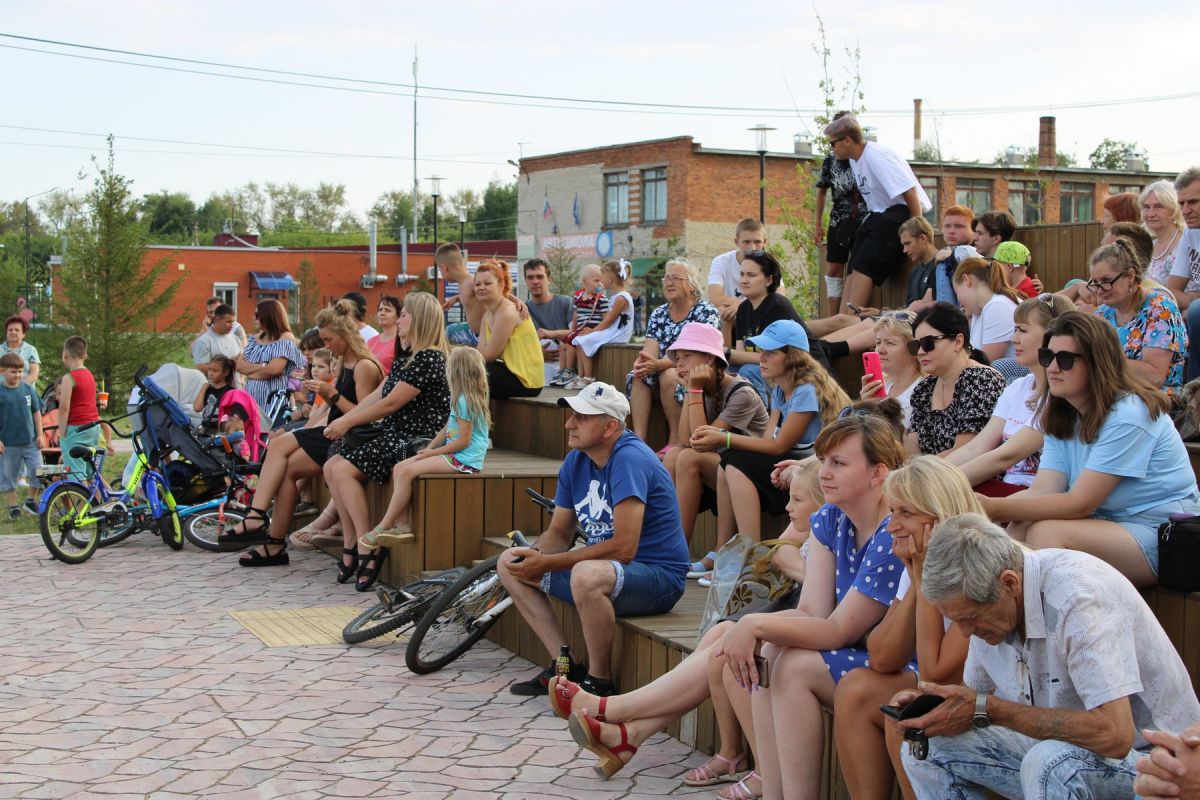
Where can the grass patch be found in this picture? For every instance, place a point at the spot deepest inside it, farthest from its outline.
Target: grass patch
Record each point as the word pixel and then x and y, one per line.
pixel 28 523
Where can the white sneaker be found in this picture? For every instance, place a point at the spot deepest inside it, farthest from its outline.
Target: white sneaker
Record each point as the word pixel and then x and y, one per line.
pixel 23 482
pixel 579 383
pixel 706 581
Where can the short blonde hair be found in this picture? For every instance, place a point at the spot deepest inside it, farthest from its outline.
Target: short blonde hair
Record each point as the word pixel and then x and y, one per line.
pixel 808 473
pixel 933 487
pixel 897 322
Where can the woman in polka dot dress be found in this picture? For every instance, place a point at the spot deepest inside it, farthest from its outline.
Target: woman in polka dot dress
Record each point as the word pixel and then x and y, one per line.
pixel 850 581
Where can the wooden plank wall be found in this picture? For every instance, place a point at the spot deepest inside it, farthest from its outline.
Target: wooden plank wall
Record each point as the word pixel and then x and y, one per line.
pixel 1179 614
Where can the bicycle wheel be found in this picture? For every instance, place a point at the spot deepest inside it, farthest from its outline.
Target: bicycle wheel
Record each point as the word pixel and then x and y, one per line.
pixel 68 537
pixel 203 529
pixel 449 627
pixel 169 528
pixel 405 606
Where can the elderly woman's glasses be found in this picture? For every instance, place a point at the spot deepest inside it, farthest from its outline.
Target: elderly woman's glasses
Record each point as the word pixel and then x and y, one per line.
pixel 1104 285
pixel 925 343
pixel 674 279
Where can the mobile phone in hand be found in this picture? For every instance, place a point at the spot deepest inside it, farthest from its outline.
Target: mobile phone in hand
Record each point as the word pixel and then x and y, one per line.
pixel 919 707
pixel 874 370
pixel 764 672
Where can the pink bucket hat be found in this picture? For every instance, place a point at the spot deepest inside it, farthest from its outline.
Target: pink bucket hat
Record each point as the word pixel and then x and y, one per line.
pixel 701 338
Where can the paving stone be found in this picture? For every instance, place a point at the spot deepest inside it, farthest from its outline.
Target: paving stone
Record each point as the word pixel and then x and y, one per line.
pixel 112 697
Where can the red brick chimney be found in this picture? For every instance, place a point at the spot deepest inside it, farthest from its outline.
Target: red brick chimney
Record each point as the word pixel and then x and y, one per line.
pixel 1047 143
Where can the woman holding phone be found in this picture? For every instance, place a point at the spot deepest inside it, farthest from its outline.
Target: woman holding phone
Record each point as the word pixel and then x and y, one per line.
pixel 898 369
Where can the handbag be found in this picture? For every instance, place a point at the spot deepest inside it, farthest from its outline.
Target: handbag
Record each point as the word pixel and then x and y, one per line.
pixel 1179 553
pixel 362 434
pixel 744 576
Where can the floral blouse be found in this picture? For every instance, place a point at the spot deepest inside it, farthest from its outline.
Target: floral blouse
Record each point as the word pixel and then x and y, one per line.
pixel 664 330
pixel 1157 324
pixel 975 396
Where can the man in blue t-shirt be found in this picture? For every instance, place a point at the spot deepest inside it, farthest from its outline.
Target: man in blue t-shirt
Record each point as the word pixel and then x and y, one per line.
pixel 635 560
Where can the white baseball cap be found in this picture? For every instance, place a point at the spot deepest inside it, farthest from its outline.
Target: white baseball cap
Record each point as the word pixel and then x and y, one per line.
pixel 598 398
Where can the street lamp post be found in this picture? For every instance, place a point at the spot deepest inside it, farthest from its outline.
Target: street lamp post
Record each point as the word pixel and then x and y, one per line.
pixel 436 182
pixel 760 141
pixel 462 226
pixel 25 288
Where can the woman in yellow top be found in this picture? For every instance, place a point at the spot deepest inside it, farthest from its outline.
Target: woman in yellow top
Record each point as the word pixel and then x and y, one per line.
pixel 508 343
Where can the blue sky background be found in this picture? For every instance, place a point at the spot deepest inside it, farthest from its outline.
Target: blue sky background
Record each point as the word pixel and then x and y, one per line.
pixel 1041 57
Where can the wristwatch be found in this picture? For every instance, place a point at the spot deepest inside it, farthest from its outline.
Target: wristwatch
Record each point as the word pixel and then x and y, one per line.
pixel 981 719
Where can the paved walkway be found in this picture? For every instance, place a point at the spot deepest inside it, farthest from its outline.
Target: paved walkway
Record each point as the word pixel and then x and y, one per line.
pixel 126 677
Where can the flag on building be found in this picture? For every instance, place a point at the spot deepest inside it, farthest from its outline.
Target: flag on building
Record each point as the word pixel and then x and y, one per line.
pixel 575 210
pixel 546 212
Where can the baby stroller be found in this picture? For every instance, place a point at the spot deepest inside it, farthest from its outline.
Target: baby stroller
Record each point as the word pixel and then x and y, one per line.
pixel 202 467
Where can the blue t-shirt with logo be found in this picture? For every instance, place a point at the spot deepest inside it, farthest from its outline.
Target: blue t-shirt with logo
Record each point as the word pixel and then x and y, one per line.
pixel 631 471
pixel 803 398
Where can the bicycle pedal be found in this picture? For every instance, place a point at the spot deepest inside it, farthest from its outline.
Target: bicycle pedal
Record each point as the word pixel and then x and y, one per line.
pixel 385 597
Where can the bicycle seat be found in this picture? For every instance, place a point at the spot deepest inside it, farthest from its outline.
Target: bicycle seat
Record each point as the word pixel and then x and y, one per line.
pixel 81 451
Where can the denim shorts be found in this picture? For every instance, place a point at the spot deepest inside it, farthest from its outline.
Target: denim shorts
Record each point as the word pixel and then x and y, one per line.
pixel 16 456
pixel 1143 526
pixel 640 589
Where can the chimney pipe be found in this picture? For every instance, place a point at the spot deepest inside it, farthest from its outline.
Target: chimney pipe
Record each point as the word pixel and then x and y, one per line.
pixel 916 125
pixel 1047 143
pixel 372 234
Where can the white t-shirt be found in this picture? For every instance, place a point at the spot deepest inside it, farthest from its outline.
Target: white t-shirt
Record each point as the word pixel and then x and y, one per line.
pixel 367 332
pixel 904 399
pixel 1015 407
pixel 1187 259
pixel 994 324
pixel 883 177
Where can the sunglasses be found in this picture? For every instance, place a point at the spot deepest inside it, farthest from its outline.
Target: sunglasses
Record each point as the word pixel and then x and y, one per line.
pixel 1047 299
pixel 899 316
pixel 925 343
pixel 1065 358
pixel 851 411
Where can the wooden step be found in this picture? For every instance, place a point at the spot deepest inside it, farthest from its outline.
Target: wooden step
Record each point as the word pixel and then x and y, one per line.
pixel 536 425
pixel 452 514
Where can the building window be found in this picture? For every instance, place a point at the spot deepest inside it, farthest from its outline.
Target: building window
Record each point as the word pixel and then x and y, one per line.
pixel 228 294
pixel 1118 188
pixel 1025 202
pixel 1075 202
pixel 616 198
pixel 974 193
pixel 654 195
pixel 930 184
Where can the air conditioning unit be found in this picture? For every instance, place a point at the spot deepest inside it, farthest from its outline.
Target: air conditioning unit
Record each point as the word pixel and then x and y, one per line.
pixel 431 273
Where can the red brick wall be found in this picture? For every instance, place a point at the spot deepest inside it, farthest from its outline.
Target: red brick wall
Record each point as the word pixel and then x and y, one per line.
pixel 336 274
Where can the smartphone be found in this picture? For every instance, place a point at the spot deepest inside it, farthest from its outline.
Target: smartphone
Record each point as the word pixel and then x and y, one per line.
pixel 853 308
pixel 919 707
pixel 764 672
pixel 874 370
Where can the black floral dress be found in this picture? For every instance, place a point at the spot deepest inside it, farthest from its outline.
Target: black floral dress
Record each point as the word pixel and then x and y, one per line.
pixel 421 417
pixel 975 396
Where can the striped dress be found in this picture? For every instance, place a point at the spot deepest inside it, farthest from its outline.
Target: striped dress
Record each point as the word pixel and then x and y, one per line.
pixel 258 353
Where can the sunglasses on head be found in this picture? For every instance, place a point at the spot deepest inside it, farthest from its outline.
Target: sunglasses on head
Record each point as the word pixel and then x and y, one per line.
pixel 925 343
pixel 1065 358
pixel 1047 299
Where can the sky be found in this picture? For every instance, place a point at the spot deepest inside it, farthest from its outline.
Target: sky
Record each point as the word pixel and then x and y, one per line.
pixel 1016 62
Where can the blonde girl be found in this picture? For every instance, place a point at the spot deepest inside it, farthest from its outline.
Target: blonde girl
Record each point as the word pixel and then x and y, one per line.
pixel 617 325
pixel 982 288
pixel 461 445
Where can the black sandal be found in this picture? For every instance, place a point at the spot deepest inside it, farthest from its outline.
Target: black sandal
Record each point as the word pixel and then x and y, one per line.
pixel 265 558
pixel 232 541
pixel 348 571
pixel 367 575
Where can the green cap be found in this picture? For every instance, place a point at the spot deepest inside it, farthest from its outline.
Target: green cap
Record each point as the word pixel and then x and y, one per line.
pixel 1013 253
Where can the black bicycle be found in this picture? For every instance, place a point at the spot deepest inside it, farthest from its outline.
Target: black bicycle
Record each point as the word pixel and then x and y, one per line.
pixel 398 608
pixel 461 615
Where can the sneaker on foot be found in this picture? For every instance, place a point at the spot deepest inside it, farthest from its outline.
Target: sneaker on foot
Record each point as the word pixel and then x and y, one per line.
pixel 15 511
pixel 30 507
pixel 23 482
pixel 705 581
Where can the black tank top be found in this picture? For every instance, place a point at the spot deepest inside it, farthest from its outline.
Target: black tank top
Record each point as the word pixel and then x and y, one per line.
pixel 347 388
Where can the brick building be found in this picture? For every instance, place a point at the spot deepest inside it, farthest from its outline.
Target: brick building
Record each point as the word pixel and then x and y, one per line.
pixel 643 199
pixel 243 276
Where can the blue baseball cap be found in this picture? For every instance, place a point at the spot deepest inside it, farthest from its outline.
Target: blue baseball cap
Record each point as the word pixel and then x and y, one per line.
pixel 779 334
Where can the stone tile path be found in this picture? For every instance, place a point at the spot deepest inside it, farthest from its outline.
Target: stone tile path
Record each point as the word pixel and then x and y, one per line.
pixel 126 677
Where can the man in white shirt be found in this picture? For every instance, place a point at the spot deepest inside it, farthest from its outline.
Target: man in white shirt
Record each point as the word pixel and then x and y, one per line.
pixel 218 340
pixel 725 273
pixel 1067 665
pixel 1184 280
pixel 892 194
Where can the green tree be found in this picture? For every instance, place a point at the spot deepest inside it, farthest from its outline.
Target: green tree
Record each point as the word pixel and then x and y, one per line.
pixel 58 209
pixel 564 275
pixel 1114 154
pixel 394 211
pixel 103 270
pixel 324 205
pixel 169 214
pixel 309 299
pixel 496 217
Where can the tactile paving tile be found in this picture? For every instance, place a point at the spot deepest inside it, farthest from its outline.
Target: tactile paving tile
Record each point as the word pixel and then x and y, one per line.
pixel 292 627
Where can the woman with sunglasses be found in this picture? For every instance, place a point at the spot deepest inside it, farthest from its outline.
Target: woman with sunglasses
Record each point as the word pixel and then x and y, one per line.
pixel 1113 467
pixel 1003 459
pixel 1147 321
pixel 901 370
pixel 957 396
